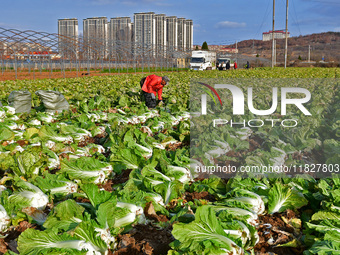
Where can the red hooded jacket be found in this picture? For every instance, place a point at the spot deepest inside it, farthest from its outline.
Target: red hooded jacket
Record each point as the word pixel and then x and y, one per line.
pixel 153 85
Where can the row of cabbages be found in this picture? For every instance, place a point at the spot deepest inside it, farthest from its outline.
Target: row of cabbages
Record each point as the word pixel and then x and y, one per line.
pixel 30 149
pixel 93 228
pixel 229 225
pixel 50 180
pixel 230 221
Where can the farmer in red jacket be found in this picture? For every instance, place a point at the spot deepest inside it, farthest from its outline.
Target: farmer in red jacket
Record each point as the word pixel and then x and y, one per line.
pixel 151 86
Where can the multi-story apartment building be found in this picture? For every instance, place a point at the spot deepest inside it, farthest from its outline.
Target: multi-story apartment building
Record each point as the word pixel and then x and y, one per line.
pixel 189 34
pixel 120 29
pixel 120 35
pixel 171 33
pixel 68 36
pixel 145 31
pixel 95 36
pixel 161 32
pixel 149 33
pixel 181 34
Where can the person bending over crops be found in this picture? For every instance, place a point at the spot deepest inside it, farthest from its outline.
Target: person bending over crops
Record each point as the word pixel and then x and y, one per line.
pixel 151 86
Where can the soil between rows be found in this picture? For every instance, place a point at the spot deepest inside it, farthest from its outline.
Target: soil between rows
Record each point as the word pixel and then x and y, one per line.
pixel 273 230
pixel 25 75
pixel 145 239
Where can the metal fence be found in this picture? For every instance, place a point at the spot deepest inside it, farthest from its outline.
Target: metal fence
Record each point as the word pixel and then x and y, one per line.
pixel 30 51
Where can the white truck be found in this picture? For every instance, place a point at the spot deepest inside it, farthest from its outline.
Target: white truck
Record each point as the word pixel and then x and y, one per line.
pixel 203 60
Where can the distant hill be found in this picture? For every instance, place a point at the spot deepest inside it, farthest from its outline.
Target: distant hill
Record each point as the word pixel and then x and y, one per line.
pixel 325 45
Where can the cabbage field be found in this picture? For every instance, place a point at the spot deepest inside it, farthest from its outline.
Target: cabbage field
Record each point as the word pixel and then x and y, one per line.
pixel 111 176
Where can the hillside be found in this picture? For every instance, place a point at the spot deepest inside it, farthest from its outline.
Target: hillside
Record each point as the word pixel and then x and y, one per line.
pixel 325 45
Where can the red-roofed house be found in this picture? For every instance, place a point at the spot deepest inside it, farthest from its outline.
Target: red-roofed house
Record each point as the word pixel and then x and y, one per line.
pixel 278 34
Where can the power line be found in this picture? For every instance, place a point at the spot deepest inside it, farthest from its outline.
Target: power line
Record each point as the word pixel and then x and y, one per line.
pixel 296 19
pixel 264 18
pixel 221 42
pixel 294 16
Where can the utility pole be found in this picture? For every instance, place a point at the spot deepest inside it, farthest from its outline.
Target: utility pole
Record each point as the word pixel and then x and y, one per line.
pixel 273 33
pixel 286 45
pixel 275 53
pixel 236 51
pixel 308 53
pixel 253 47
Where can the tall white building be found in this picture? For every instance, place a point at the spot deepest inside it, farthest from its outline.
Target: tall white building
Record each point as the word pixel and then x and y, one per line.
pixel 161 32
pixel 68 27
pixel 120 29
pixel 95 34
pixel 181 34
pixel 149 33
pixel 68 36
pixel 171 33
pixel 120 35
pixel 145 31
pixel 189 34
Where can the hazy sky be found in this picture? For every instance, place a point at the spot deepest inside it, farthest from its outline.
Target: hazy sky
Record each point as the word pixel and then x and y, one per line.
pixel 217 21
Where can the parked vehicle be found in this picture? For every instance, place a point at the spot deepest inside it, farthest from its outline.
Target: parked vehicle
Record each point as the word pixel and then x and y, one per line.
pixel 202 60
pixel 224 63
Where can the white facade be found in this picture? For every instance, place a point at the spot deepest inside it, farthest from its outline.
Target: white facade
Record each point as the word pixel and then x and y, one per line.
pixel 145 29
pixel 120 35
pixel 149 32
pixel 181 34
pixel 279 34
pixel 120 29
pixel 189 33
pixel 161 32
pixel 171 35
pixel 68 27
pixel 68 36
pixel 95 33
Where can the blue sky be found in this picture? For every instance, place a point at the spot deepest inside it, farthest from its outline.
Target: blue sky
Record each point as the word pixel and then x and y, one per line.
pixel 217 21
